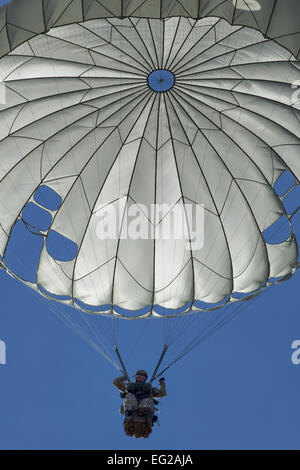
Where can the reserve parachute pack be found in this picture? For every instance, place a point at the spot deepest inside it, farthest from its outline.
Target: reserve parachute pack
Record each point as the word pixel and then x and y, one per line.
pixel 140 390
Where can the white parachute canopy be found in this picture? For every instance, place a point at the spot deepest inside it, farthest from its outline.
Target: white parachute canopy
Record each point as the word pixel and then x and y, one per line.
pixel 128 127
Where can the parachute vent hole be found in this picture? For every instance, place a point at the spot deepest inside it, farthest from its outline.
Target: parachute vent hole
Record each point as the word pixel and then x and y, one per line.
pixel 166 311
pixel 210 305
pixel 274 280
pixel 60 247
pixel 36 217
pixel 278 232
pixel 285 181
pixel 48 198
pixel 132 313
pixel 92 308
pixel 161 80
pixel 53 296
pixel 246 295
pixel 23 252
pixel 291 200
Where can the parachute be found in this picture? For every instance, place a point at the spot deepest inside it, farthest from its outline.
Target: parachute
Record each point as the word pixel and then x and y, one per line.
pixel 144 145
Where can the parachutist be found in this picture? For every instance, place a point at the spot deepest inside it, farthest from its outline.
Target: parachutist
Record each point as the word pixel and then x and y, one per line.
pixel 139 403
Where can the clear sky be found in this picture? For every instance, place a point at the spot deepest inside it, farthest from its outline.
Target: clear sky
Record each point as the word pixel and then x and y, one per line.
pixel 239 389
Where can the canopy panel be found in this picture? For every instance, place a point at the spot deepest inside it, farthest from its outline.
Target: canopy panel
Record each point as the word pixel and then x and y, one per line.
pixel 21 20
pixel 177 123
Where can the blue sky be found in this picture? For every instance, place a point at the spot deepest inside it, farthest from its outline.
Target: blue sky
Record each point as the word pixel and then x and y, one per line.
pixel 238 390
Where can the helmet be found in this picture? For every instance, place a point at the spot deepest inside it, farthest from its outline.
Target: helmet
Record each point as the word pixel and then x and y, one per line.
pixel 141 372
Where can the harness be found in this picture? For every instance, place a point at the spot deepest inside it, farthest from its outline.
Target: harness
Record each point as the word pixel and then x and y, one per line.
pixel 140 390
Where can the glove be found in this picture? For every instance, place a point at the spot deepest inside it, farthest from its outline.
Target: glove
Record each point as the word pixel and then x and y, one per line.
pixel 162 379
